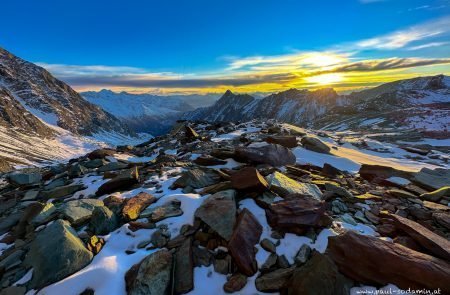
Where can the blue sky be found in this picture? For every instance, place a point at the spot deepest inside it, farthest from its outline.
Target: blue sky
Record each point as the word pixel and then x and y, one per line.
pixel 204 46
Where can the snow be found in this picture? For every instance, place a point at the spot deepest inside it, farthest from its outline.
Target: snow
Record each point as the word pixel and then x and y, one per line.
pixel 430 141
pixel 235 134
pixel 305 156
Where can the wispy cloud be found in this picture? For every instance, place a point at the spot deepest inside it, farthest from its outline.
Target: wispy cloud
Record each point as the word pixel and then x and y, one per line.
pixel 428 45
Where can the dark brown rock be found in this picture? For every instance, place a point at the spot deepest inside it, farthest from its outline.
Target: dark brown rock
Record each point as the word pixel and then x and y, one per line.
pixel 122 181
pixel 135 205
pixel 101 153
pixel 184 268
pixel 286 141
pixel 371 172
pixel 249 179
pixel 271 154
pixel 209 161
pixel 235 283
pixel 443 219
pixel 370 260
pixel 274 281
pixel 243 240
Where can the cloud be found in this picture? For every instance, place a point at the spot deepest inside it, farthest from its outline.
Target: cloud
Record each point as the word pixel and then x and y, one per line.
pixel 401 38
pixel 428 45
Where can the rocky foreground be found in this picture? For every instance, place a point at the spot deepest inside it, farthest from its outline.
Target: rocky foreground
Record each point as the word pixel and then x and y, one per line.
pixel 224 208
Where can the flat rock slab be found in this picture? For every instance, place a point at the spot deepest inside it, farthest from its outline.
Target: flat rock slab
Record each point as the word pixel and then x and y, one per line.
pixel 197 178
pixel 184 268
pixel 122 181
pixel 436 195
pixel 284 186
pixel 435 244
pixel 243 240
pixel 432 179
pixel 56 253
pixel 219 213
pixel 315 144
pixel 79 211
pixel 370 260
pixel 271 154
pixel 135 205
pixel 249 179
pixel 286 141
pixel 296 215
pixel 61 191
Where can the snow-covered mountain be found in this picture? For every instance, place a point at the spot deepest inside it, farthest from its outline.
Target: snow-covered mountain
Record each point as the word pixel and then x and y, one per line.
pixel 420 103
pixel 146 112
pixel 42 118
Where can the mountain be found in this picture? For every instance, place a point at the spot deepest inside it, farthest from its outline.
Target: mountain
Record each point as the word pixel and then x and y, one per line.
pixel 42 118
pixel 52 100
pixel 420 103
pixel 146 112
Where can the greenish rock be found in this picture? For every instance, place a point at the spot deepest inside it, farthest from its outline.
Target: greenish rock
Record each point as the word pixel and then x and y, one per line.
pixel 274 281
pixel 337 190
pixel 169 209
pixel 284 186
pixel 30 195
pixel 55 183
pixel 347 218
pixel 56 253
pixel 79 211
pixel 436 195
pixel 103 221
pixel 338 207
pixel 76 170
pixel 401 194
pixel 112 166
pixel 61 191
pixel 151 276
pixel 197 178
pixel 48 213
pixel 30 178
pixel 219 213
pixel 95 163
pixel 432 179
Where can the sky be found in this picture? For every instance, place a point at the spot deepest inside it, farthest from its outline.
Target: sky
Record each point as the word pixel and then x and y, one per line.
pixel 199 46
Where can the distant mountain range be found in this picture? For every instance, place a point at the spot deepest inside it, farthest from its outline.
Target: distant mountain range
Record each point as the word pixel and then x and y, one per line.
pixel 147 112
pixel 420 103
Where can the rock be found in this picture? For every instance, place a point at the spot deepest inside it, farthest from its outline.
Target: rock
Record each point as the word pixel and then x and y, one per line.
pixel 286 141
pixel 370 172
pixel 219 213
pixel 436 195
pixel 270 263
pixel 196 178
pixel 113 166
pixel 443 219
pixel 284 186
pixel 249 179
pixel 432 179
pixel 400 193
pixel 115 204
pixel 330 171
pixel 315 144
pixel 303 254
pixel 319 275
pixel 201 256
pixel 209 161
pixel 101 153
pixel 242 243
pixel 184 268
pixel 13 290
pixel 271 154
pixel 274 281
pixel 94 163
pixel 160 238
pixel 61 191
pixel 190 133
pixel 76 170
pixel 435 244
pixel 47 213
pixel 267 245
pixel 235 283
pixel 122 181
pixel 212 189
pixel 296 215
pixel 435 206
pixel 407 242
pixel 79 211
pixel 337 190
pixel 151 275
pixel 103 221
pixel 56 253
pixel 55 183
pixel 169 209
pixel 135 205
pixel 361 257
pixel 19 179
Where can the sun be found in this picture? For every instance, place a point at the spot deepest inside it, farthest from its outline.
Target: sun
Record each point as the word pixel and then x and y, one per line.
pixel 326 79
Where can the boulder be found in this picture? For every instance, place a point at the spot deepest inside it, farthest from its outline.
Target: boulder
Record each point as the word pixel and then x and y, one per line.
pixel 284 186
pixel 219 213
pixel 196 178
pixel 94 163
pixel 100 154
pixel 319 275
pixel 286 141
pixel 315 144
pixel 235 283
pixel 47 213
pixel 170 209
pixel 436 195
pixel 274 281
pixel 113 166
pixel 61 191
pixel 190 133
pixel 370 172
pixel 103 221
pixel 297 215
pixel 19 179
pixel 120 182
pixel 135 205
pixel 76 170
pixel 443 219
pixel 373 261
pixel 242 243
pixel 271 154
pixel 56 253
pixel 209 161
pixel 184 268
pixel 249 179
pixel 337 190
pixel 432 179
pixel 151 276
pixel 79 211
pixel 435 244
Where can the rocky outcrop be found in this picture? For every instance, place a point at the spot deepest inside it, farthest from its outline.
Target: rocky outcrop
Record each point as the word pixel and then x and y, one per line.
pixel 249 179
pixel 272 154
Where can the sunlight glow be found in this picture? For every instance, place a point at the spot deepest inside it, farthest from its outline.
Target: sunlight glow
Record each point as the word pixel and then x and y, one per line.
pixel 326 79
